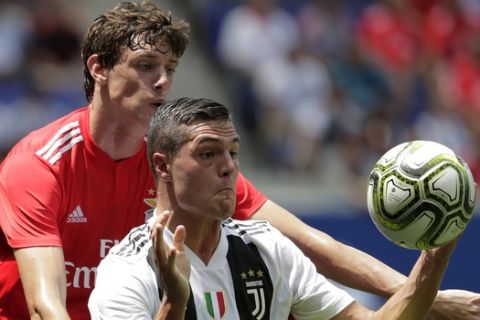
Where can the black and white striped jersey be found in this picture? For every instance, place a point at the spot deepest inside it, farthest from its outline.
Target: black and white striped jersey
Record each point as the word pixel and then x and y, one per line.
pixel 255 273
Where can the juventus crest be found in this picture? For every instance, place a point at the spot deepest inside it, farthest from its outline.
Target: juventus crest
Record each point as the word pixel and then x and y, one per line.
pixel 251 279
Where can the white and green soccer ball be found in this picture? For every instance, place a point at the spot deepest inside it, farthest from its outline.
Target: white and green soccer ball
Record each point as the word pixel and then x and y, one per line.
pixel 421 195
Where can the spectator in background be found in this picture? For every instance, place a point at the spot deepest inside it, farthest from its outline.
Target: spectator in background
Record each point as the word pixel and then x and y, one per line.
pixel 387 31
pixel 41 78
pixel 293 91
pixel 442 124
pixel 14 29
pixel 325 28
pixel 442 27
pixel 379 57
pixel 458 91
pixel 252 33
pixel 364 87
pixel 53 49
pixel 387 34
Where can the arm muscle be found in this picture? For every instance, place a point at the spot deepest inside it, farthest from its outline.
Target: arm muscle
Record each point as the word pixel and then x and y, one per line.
pixel 42 271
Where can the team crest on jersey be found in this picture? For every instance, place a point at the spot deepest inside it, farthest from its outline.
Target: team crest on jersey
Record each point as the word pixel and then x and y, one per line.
pixel 254 285
pixel 151 202
pixel 251 279
pixel 215 304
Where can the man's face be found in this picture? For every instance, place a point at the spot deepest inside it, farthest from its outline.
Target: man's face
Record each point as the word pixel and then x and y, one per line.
pixel 140 81
pixel 205 169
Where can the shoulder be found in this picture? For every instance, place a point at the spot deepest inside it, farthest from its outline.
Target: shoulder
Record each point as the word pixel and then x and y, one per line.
pixel 124 287
pixel 259 232
pixel 34 161
pixel 125 281
pixel 269 240
pixel 134 245
pixel 247 227
pixel 50 142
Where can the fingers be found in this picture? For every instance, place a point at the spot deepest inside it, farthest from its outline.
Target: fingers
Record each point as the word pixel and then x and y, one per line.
pixel 163 217
pixel 178 245
pixel 179 238
pixel 177 252
pixel 157 238
pixel 158 245
pixel 165 256
pixel 171 260
pixel 158 226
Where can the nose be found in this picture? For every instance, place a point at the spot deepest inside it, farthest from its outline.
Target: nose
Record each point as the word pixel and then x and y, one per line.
pixel 229 165
pixel 163 80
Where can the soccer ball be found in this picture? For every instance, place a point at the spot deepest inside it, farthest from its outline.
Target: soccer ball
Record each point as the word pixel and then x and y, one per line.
pixel 421 195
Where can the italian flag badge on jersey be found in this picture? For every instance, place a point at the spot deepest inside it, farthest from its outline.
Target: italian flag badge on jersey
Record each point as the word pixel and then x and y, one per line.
pixel 215 304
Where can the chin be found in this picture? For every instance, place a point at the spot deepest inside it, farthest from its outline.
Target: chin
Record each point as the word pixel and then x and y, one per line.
pixel 229 211
pixel 149 115
pixel 228 215
pixel 224 208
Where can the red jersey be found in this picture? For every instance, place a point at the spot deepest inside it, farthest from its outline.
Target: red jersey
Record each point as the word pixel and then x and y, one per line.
pixel 58 188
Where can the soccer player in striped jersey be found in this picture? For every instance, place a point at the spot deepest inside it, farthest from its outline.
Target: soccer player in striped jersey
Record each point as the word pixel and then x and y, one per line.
pixel 219 268
pixel 71 190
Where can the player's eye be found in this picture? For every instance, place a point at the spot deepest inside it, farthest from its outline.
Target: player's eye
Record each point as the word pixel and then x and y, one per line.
pixel 145 66
pixel 170 71
pixel 207 155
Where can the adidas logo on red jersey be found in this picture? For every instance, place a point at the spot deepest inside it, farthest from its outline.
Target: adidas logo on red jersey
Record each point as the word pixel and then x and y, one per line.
pixel 77 216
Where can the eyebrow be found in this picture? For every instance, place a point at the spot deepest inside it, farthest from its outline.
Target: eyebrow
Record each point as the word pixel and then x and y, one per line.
pixel 150 55
pixel 212 139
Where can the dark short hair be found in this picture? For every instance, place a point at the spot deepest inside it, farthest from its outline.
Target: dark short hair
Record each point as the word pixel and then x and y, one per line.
pixel 167 127
pixel 135 26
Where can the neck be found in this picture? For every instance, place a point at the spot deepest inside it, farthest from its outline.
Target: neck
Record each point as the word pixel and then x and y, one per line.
pixel 205 239
pixel 114 134
pixel 203 234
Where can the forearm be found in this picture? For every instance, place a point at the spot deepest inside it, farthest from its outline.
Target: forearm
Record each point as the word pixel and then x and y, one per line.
pixel 414 299
pixel 42 271
pixel 356 269
pixel 44 311
pixel 339 262
pixel 351 267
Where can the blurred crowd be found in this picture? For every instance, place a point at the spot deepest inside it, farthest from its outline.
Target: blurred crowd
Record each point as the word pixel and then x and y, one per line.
pixel 40 66
pixel 305 76
pixel 360 76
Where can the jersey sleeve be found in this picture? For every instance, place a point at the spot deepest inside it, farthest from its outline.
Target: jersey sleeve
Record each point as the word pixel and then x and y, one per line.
pixel 249 199
pixel 314 297
pixel 124 290
pixel 29 200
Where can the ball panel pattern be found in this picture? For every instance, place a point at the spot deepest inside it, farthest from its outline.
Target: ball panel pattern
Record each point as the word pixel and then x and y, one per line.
pixel 421 194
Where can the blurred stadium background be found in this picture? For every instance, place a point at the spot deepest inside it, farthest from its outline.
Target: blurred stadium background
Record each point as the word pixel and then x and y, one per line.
pixel 320 89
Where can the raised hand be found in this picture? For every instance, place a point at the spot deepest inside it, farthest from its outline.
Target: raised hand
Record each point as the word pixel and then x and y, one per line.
pixel 455 304
pixel 174 269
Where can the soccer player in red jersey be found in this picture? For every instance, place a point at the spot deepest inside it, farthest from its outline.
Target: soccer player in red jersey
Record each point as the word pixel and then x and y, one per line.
pixel 72 189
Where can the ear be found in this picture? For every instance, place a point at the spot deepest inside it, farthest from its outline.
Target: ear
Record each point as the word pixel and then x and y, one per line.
pixel 162 166
pixel 97 71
